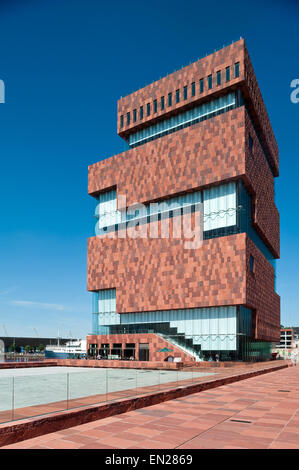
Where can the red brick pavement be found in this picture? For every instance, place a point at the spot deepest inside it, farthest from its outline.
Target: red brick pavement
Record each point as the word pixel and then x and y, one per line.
pixel 257 413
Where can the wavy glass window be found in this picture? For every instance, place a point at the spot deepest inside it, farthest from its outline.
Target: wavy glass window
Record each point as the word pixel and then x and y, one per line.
pixel 106 209
pixel 104 310
pixel 220 203
pixel 212 329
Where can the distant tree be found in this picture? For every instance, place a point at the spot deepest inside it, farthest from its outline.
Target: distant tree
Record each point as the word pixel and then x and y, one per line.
pixel 41 347
pixel 12 347
pixel 27 348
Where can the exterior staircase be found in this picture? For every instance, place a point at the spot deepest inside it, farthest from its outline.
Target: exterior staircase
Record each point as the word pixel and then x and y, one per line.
pixel 181 344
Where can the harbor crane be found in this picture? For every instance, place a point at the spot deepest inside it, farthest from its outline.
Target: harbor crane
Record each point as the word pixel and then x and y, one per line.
pixel 5 330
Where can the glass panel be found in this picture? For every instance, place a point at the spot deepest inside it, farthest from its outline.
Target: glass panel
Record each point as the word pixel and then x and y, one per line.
pixel 39 394
pixel 220 205
pixel 6 395
pixel 121 383
pixel 86 387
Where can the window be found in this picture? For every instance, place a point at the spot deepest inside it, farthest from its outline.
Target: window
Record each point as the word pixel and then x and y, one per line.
pixel 116 350
pixel 169 99
pixel 155 106
pixel 129 351
pixel 162 103
pixel 237 69
pixel 185 92
pixel 106 210
pixel 184 119
pixel 220 203
pixel 141 112
pixel 105 350
pixel 250 143
pixel 210 82
pixel 219 77
pixel 128 119
pixel 143 352
pixel 134 115
pixel 121 121
pixel 177 96
pixel 193 89
pixel 227 74
pixel 251 262
pixel 148 109
pixel 201 85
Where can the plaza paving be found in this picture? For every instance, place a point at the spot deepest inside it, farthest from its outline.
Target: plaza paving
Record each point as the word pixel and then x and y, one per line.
pixel 257 413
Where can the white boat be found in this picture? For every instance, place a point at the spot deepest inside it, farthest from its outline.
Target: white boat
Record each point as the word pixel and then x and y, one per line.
pixel 73 349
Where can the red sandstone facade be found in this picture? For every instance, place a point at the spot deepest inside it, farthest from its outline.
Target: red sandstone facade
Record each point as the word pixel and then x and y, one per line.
pixel 237 145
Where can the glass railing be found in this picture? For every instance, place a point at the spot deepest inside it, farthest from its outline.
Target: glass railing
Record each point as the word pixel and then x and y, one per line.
pixel 27 393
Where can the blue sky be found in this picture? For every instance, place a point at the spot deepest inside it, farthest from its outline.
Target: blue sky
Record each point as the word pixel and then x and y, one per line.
pixel 65 64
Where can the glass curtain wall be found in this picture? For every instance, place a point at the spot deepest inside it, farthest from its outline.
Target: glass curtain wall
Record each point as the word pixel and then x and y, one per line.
pixel 184 119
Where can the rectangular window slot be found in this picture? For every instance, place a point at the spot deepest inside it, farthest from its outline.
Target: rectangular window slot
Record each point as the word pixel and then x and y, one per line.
pixel 193 89
pixel 227 74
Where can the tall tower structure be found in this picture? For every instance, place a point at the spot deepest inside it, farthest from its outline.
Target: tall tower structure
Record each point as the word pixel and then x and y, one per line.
pixel 199 138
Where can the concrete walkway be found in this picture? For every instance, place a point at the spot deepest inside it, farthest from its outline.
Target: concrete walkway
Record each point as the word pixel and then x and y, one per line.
pixel 257 413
